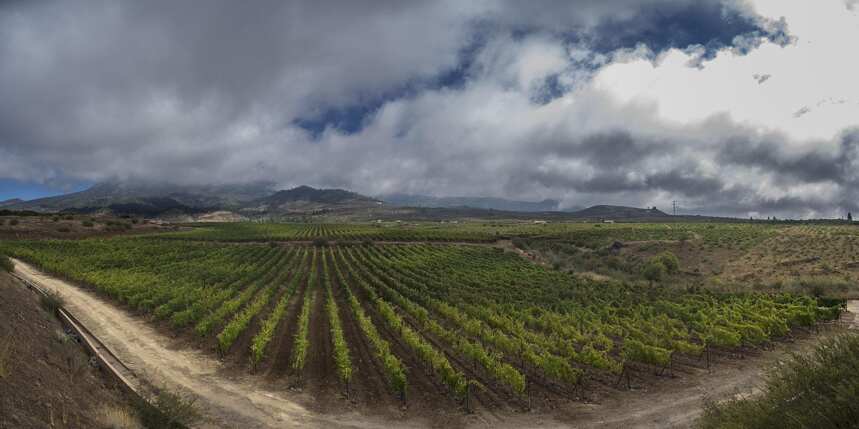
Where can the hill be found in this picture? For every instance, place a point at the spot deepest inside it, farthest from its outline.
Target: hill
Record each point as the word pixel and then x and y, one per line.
pixel 149 199
pixel 259 200
pixel 619 212
pixel 305 199
pixel 487 203
pixel 11 202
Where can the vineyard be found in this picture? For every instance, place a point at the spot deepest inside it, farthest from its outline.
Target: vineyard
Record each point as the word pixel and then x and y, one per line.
pixel 460 322
pixel 585 234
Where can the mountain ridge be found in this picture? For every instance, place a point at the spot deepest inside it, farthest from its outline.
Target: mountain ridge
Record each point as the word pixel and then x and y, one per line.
pixel 487 203
pixel 263 200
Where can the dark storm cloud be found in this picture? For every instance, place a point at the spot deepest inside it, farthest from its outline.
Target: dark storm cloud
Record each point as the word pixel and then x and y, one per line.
pixel 449 97
pixel 810 165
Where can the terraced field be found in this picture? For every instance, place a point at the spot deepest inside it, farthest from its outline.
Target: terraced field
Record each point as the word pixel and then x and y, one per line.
pixel 461 325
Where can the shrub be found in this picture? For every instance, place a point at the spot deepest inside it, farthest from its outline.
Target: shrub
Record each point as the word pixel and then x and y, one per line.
pixel 55 219
pixel 6 264
pixel 13 222
pixel 64 229
pixel 113 417
pixel 87 224
pixel 814 390
pixel 653 271
pixel 68 217
pixel 51 301
pixel 169 410
pixel 670 261
pixel 320 242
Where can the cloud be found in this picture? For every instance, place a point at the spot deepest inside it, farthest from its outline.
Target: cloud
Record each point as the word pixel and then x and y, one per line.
pixel 587 102
pixel 761 78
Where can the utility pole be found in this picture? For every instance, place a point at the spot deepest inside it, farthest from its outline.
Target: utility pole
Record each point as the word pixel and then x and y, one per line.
pixel 674 206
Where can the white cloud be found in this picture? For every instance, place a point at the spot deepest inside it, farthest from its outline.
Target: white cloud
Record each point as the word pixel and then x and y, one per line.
pixel 819 66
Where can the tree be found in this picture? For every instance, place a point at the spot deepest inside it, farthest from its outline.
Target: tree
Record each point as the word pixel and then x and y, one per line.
pixel 849 217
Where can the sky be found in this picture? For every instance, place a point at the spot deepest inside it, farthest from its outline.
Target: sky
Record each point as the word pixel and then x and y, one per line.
pixel 730 107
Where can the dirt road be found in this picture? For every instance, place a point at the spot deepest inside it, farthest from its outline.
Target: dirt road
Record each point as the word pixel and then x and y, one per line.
pixel 227 402
pixel 240 402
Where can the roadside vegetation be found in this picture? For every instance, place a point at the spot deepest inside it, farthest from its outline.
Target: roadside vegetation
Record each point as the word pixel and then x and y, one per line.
pixel 816 390
pixel 6 264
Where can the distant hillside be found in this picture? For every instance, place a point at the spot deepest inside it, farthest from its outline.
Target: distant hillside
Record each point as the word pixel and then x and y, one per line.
pixel 259 200
pixel 11 202
pixel 149 199
pixel 487 203
pixel 305 199
pixel 618 212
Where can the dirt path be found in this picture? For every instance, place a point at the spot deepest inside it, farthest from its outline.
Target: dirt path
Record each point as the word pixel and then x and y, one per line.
pixel 230 401
pixel 227 402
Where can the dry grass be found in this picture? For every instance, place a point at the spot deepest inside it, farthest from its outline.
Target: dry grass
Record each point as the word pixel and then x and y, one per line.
pixel 113 417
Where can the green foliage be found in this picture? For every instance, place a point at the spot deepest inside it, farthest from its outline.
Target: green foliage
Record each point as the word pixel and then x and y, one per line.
pixel 169 410
pixel 670 261
pixel 451 307
pixel 654 271
pixel 341 350
pixel 262 339
pixel 302 342
pixel 816 390
pixel 6 264
pixel 51 301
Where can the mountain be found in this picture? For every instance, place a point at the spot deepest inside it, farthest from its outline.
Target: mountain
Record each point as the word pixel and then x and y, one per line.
pixel 305 199
pixel 150 199
pixel 488 203
pixel 259 200
pixel 618 212
pixel 11 202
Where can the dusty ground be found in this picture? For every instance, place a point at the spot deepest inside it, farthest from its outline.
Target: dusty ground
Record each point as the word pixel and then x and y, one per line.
pixel 77 226
pixel 227 401
pixel 48 381
pixel 231 400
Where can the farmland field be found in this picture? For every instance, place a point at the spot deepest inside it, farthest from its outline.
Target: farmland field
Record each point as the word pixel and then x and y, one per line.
pixel 463 324
pixel 730 235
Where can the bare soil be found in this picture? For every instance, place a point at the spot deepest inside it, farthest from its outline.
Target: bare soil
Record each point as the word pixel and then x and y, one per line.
pixel 68 226
pixel 47 381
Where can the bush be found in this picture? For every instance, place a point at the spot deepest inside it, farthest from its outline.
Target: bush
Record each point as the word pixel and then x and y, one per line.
pixel 13 222
pixel 319 242
pixel 169 410
pixel 51 301
pixel 670 261
pixel 87 224
pixel 815 390
pixel 64 229
pixel 55 219
pixel 6 264
pixel 654 271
